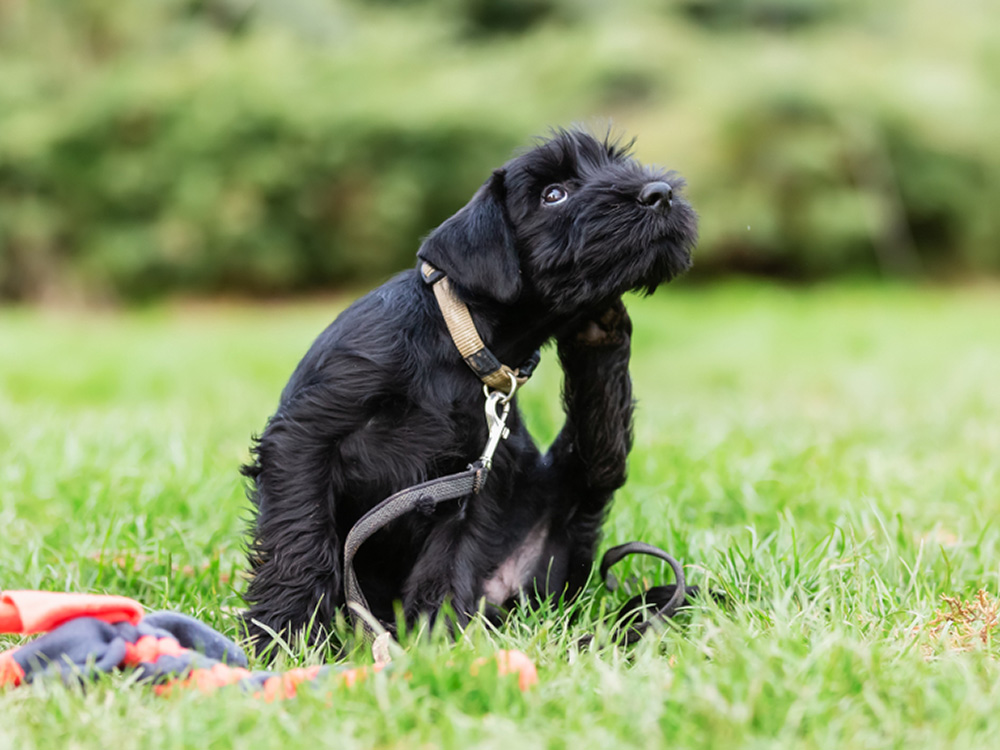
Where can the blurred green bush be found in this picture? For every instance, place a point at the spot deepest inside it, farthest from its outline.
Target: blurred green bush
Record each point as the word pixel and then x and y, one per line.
pixel 281 145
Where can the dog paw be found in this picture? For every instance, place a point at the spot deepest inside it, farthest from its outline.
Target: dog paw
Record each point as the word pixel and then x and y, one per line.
pixel 611 327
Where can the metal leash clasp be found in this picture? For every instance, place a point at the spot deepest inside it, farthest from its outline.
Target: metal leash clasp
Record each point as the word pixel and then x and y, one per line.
pixel 497 409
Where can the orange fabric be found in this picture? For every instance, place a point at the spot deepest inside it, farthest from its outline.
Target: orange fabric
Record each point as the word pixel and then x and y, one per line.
pixel 10 671
pixel 272 689
pixel 285 685
pixel 27 612
pixel 227 675
pixel 508 662
pixel 206 680
pixel 350 676
pixel 149 648
pixel 292 678
pixel 519 663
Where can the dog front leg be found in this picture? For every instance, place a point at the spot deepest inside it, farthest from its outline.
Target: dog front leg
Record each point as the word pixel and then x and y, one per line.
pixel 587 461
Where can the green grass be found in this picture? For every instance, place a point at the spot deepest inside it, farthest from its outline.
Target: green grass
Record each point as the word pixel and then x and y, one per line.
pixel 828 458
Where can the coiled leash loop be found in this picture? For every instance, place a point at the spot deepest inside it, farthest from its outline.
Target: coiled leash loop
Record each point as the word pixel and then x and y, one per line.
pixel 664 601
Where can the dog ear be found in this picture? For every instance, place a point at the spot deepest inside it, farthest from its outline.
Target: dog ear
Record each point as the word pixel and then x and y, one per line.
pixel 476 248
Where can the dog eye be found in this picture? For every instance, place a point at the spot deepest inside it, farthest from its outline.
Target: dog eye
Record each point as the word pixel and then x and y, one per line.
pixel 554 194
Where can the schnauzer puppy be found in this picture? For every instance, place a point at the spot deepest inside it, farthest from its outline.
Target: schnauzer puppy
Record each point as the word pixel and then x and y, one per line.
pixel 383 400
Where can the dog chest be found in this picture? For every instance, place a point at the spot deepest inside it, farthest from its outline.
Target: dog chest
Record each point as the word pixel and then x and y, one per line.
pixel 514 572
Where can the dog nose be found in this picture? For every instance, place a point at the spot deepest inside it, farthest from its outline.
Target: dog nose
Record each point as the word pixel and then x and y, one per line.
pixel 657 195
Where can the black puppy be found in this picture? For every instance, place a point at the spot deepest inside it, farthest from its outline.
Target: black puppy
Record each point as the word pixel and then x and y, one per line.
pixel 383 400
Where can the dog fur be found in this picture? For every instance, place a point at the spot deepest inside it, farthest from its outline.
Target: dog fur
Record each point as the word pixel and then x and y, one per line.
pixel 382 400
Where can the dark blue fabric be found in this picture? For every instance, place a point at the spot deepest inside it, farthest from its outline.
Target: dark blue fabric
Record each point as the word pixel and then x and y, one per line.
pixel 74 651
pixel 191 633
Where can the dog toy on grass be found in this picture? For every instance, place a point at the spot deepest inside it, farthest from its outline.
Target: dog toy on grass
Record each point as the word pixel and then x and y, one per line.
pixel 89 634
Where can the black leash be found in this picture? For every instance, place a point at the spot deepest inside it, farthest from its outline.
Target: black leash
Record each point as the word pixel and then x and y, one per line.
pixel 664 601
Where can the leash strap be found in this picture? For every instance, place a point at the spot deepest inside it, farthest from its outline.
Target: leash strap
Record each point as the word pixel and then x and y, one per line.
pixel 424 497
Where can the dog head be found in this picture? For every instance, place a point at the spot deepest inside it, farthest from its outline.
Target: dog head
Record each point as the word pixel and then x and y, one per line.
pixel 573 223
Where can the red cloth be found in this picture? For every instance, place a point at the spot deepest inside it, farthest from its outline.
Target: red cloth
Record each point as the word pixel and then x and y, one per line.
pixel 27 612
pixel 10 671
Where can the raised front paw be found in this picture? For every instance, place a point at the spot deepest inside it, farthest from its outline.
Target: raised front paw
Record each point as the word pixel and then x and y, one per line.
pixel 609 327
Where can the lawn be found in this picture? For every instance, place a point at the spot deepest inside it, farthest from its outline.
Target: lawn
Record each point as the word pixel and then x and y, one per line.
pixel 828 458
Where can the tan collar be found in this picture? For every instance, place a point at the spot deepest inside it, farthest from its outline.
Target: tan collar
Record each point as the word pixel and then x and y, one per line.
pixel 483 362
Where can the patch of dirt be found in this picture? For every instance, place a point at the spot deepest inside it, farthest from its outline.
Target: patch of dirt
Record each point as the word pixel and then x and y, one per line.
pixel 962 625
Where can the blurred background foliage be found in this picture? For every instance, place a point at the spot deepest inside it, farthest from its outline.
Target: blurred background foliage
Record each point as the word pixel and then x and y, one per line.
pixel 276 146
